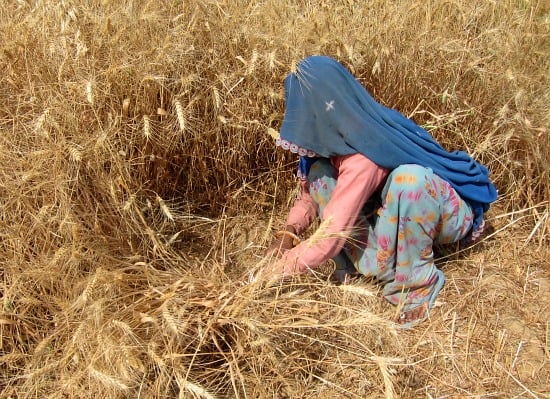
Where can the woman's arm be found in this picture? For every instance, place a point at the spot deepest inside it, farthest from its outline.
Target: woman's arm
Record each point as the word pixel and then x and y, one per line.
pixel 358 180
pixel 299 218
pixel 304 210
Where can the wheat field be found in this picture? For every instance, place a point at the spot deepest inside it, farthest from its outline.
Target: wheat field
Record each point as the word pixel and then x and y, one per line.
pixel 138 185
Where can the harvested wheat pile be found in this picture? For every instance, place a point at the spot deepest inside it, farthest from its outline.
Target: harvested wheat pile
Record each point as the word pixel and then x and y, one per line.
pixel 138 186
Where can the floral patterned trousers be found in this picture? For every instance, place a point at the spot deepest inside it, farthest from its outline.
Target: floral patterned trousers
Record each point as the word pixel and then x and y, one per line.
pixel 394 235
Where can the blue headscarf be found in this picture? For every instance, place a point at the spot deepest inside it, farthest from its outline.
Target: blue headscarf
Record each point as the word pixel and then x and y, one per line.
pixel 329 112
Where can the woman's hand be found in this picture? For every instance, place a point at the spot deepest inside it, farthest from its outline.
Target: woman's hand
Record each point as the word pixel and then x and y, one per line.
pixel 282 243
pixel 273 271
pixel 273 268
pixel 269 270
pixel 279 246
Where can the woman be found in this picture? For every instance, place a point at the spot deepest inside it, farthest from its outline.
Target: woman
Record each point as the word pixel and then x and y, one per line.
pixel 385 190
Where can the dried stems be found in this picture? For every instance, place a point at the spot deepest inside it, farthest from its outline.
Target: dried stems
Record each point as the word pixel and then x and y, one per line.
pixel 137 181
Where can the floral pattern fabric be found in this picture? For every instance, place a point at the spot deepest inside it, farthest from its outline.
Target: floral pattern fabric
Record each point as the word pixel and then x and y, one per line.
pixel 394 243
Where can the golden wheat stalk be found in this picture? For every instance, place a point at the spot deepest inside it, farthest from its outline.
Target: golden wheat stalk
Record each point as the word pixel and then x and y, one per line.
pixel 146 127
pixel 195 389
pixel 179 113
pixel 217 98
pixel 39 126
pixel 88 261
pixel 74 153
pixel 89 92
pixel 165 209
pixel 252 63
pixel 107 380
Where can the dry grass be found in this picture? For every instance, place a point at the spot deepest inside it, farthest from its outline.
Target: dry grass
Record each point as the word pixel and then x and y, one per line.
pixel 138 185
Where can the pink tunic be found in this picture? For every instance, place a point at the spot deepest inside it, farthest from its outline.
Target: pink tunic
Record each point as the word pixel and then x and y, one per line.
pixel 358 179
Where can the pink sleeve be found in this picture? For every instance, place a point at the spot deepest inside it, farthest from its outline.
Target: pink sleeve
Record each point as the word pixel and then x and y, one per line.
pixel 358 179
pixel 303 211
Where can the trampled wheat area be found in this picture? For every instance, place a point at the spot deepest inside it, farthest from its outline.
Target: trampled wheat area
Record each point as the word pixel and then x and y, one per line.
pixel 138 185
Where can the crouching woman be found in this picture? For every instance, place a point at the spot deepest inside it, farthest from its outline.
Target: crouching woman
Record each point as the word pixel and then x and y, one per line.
pixel 385 190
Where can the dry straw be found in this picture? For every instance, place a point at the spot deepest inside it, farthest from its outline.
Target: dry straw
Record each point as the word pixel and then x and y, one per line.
pixel 124 239
pixel 179 113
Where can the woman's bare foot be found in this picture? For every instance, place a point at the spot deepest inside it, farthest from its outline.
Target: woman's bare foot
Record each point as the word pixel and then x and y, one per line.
pixel 412 315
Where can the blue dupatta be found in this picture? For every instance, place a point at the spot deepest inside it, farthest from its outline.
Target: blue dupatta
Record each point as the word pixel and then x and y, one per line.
pixel 329 112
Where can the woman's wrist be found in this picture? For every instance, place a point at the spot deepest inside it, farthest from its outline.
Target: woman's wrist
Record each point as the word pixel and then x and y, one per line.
pixel 291 229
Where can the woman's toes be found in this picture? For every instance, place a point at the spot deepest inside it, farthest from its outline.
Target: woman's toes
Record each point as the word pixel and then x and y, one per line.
pixel 414 314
